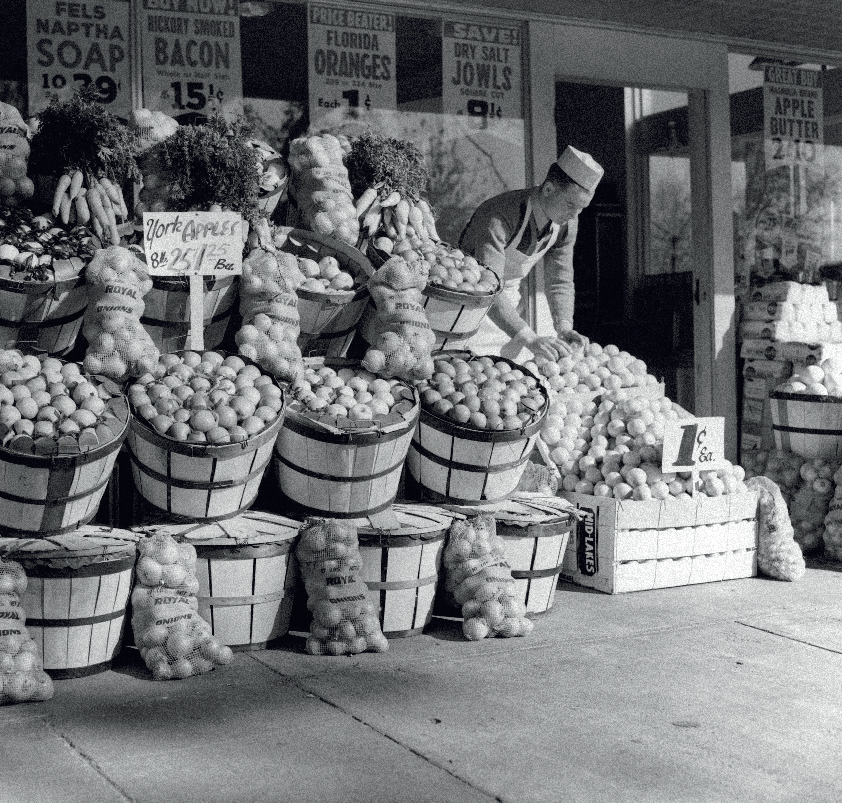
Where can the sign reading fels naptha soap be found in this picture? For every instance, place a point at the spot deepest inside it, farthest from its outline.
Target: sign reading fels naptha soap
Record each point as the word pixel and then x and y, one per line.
pixel 193 243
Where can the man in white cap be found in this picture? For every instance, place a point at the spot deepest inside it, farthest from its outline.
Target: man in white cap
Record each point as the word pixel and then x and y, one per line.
pixel 511 232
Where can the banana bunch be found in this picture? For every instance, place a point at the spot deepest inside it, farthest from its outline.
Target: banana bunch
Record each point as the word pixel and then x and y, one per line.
pixel 395 216
pixel 96 202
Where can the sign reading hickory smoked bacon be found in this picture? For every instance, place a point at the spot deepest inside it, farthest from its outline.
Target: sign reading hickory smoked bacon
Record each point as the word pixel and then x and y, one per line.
pixel 351 61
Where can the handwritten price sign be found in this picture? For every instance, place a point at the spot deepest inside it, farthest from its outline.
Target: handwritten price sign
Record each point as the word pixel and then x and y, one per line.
pixel 193 243
pixel 694 444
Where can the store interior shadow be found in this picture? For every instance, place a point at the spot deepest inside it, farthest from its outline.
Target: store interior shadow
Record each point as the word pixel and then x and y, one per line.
pixel 823 564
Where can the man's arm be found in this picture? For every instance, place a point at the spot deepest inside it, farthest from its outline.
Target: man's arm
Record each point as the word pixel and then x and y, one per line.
pixel 558 279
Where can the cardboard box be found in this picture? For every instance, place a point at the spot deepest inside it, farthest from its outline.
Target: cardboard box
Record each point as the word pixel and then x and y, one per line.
pixel 619 546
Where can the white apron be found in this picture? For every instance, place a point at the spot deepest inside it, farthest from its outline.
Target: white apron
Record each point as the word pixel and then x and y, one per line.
pixel 490 338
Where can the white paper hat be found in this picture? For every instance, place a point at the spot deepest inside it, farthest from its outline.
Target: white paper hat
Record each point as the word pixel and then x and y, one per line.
pixel 581 167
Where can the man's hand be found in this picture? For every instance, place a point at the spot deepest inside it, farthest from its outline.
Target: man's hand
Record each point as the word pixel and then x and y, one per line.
pixel 575 339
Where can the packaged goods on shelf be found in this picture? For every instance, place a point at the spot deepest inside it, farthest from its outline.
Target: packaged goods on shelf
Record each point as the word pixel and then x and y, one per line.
pixel 800 353
pixel 344 617
pixel 175 642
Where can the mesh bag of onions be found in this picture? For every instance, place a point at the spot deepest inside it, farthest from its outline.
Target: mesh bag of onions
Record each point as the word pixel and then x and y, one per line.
pixel 22 675
pixel 174 641
pixel 345 622
pixel 269 307
pixel 478 577
pixel 118 345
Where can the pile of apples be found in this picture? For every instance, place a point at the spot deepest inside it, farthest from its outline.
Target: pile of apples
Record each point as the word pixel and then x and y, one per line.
pixel 206 398
pixel 593 368
pixel 618 450
pixel 325 276
pixel 48 406
pixel 483 393
pixel 824 379
pixel 347 392
pixel 450 268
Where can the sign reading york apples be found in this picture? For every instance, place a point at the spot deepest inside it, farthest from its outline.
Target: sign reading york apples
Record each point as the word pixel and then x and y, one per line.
pixel 71 45
pixel 352 61
pixel 481 70
pixel 190 51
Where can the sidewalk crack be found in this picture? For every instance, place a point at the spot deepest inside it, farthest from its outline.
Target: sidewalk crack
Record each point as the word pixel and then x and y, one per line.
pixel 92 764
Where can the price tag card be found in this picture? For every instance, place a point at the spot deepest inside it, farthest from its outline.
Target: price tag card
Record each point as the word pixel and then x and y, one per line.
pixel 694 444
pixel 193 243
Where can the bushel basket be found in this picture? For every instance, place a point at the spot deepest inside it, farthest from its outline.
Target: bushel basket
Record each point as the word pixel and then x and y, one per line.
pixel 166 314
pixel 50 494
pixel 450 462
pixel 809 426
pixel 337 472
pixel 198 482
pixel 78 586
pixel 43 316
pixel 326 316
pixel 247 575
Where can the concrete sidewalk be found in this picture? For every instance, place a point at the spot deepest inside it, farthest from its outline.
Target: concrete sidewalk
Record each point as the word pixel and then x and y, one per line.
pixel 728 692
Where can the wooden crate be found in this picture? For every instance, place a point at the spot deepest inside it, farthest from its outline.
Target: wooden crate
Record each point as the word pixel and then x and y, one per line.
pixel 51 494
pixel 166 314
pixel 196 482
pixel 401 565
pixel 247 575
pixel 43 316
pixel 76 595
pixel 624 546
pixel 325 469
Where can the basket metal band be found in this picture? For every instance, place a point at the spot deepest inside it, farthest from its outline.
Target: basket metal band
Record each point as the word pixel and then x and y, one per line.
pixel 35 568
pixel 808 431
pixel 195 485
pixel 484 435
pixel 337 514
pixel 332 477
pixel 183 327
pixel 16 533
pixel 401 585
pixel 443 461
pixel 78 621
pixel 54 500
pixel 230 602
pixel 242 551
pixel 46 323
pixel 535 574
pixel 538 530
pixel 387 541
pixel 363 438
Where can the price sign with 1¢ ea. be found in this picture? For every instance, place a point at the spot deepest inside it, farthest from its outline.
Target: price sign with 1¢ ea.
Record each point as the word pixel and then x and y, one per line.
pixel 694 444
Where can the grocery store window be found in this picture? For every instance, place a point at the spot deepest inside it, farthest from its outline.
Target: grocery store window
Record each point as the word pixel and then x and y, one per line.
pixel 13 61
pixel 457 93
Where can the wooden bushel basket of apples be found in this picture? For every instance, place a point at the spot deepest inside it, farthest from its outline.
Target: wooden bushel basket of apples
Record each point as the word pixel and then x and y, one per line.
pixel 60 432
pixel 202 433
pixel 344 441
pixel 333 295
pixel 807 412
pixel 480 418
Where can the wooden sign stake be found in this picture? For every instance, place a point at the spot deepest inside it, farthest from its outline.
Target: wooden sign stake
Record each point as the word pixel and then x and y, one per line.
pixel 197 312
